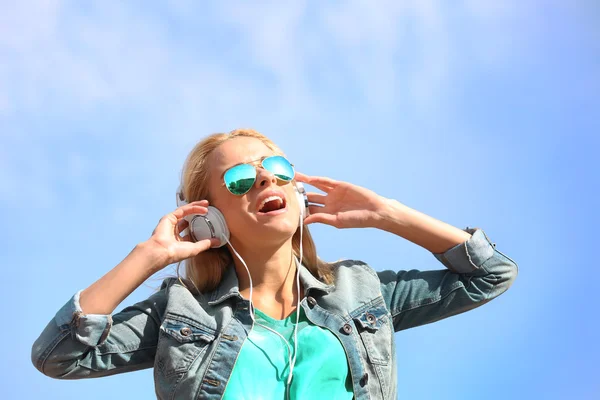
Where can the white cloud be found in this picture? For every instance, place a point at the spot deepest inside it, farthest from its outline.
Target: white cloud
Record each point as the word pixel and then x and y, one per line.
pixel 270 63
pixel 60 52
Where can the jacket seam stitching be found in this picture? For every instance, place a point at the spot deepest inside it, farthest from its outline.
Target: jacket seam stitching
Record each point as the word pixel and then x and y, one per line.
pixel 190 321
pixel 377 301
pixel 123 349
pixel 458 284
pixel 368 269
pixel 50 349
pixel 209 361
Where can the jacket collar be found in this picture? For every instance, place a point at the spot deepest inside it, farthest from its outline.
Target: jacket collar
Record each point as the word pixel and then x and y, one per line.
pixel 229 286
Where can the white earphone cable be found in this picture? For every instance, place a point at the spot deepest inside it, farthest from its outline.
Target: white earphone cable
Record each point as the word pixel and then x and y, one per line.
pixel 293 363
pixel 297 305
pixel 251 309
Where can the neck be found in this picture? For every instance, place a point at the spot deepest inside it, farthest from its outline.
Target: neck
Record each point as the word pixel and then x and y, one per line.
pixel 273 269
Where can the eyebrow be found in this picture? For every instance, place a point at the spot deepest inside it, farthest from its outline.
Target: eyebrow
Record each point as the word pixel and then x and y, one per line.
pixel 247 162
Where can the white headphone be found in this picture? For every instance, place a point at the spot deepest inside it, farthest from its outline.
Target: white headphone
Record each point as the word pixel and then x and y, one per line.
pixel 213 225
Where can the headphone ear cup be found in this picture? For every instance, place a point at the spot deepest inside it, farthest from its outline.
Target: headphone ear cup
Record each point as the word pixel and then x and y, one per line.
pixel 302 199
pixel 211 225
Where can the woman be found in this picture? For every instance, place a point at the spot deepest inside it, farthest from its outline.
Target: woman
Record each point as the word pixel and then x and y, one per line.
pixel 259 314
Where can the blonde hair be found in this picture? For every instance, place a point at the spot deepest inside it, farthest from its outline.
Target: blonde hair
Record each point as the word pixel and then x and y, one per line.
pixel 205 270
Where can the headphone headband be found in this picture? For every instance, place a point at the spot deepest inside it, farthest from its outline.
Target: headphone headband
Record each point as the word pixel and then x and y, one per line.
pixel 179 197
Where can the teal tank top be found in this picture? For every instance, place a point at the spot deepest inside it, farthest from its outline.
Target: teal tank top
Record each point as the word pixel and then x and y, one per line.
pixel 262 368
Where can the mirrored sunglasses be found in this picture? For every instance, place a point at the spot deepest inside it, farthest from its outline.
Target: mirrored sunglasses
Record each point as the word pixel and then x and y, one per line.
pixel 239 179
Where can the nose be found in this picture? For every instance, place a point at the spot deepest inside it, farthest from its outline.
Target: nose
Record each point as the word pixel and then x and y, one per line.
pixel 264 177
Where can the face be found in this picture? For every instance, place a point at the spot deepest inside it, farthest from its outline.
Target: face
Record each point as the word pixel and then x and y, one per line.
pixel 247 221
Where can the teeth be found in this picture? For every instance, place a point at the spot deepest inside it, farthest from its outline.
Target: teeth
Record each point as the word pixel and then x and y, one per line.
pixel 270 198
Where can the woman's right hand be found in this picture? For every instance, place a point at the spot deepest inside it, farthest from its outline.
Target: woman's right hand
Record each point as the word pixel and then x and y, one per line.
pixel 166 239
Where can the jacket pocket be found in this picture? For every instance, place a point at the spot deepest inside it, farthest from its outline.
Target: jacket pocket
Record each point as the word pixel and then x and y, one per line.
pixel 181 341
pixel 374 328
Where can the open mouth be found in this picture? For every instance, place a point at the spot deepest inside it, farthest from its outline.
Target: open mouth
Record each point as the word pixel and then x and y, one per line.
pixel 271 204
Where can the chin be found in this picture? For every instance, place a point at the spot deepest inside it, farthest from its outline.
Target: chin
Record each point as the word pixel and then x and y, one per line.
pixel 280 229
pixel 276 227
pixel 266 228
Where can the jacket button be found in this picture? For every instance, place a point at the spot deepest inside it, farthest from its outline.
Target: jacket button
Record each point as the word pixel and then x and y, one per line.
pixel 371 318
pixel 185 331
pixel 347 328
pixel 364 379
pixel 311 300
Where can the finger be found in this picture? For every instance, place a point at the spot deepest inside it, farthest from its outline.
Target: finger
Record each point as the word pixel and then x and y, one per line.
pixel 320 185
pixel 189 210
pixel 206 244
pixel 299 176
pixel 316 197
pixel 203 202
pixel 320 182
pixel 315 209
pixel 213 241
pixel 193 249
pixel 321 218
pixel 318 209
pixel 196 209
pixel 323 180
pixel 193 204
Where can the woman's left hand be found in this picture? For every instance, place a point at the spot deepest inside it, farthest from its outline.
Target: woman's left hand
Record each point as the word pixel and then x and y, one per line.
pixel 344 205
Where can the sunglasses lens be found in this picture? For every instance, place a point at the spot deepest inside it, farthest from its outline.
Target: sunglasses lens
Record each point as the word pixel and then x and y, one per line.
pixel 280 167
pixel 240 178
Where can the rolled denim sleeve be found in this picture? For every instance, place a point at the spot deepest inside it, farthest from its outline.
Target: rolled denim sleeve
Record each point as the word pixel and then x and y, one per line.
pixel 476 272
pixel 75 345
pixel 89 329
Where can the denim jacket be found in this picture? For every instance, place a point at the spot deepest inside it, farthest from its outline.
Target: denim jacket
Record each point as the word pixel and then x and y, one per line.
pixel 193 341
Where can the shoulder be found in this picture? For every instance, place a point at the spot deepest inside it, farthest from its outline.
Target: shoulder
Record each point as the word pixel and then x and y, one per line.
pixel 174 288
pixel 356 267
pixel 348 272
pixel 169 282
pixel 175 282
pixel 182 299
pixel 355 283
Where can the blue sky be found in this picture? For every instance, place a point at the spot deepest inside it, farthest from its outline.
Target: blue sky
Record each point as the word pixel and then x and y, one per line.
pixel 479 114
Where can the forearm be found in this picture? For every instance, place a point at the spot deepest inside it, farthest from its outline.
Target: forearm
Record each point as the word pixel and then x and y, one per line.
pixel 428 232
pixel 104 295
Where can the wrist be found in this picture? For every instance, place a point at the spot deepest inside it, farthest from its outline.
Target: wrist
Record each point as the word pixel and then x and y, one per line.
pixel 153 257
pixel 391 217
